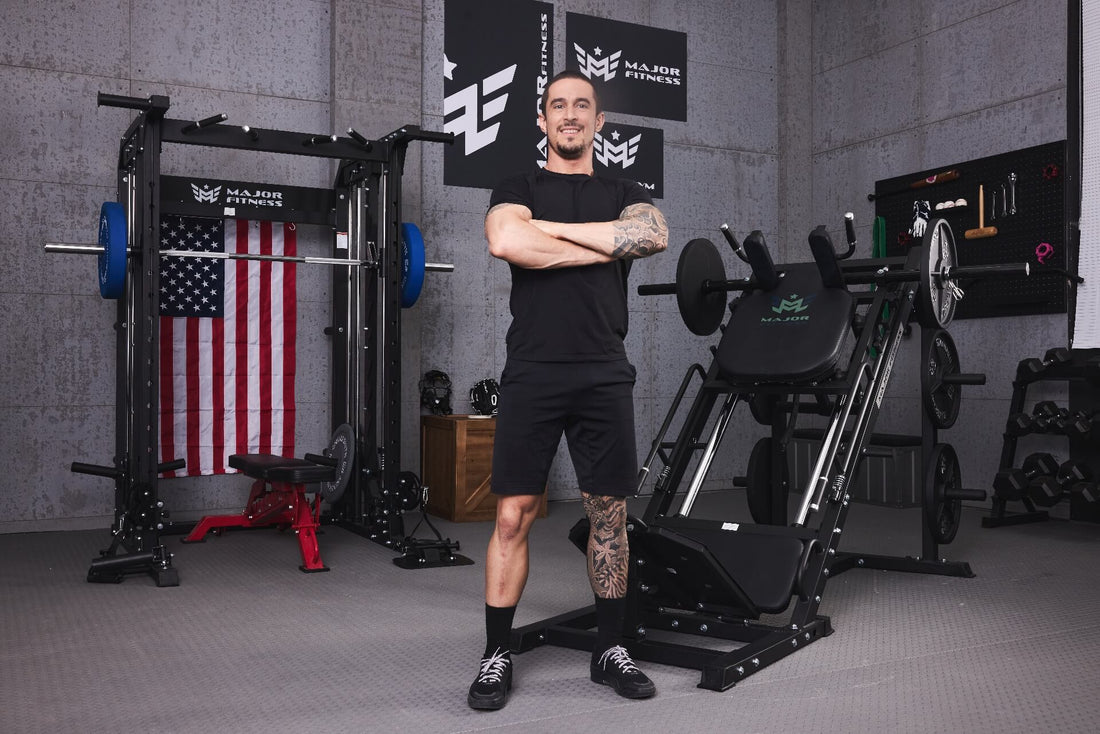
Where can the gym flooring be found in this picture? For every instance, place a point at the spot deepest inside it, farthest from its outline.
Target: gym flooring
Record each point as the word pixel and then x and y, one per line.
pixel 248 643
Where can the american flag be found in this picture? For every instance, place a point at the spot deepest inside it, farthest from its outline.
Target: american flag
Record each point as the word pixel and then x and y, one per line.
pixel 227 343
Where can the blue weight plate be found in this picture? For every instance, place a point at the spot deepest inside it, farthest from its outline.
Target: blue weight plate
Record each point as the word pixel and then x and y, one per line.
pixel 112 261
pixel 412 264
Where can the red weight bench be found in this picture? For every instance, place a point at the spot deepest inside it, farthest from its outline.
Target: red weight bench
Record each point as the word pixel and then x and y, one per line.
pixel 278 498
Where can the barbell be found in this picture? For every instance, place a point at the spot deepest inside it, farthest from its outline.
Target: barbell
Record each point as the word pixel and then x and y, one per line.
pixel 701 282
pixel 113 249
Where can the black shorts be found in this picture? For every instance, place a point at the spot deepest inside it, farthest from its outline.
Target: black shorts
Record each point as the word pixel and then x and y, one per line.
pixel 592 403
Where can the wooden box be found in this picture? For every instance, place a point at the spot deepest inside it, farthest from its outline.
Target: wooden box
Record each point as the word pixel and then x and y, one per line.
pixel 456 464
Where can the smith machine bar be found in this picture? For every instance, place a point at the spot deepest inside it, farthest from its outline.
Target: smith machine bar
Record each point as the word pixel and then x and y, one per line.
pixel 364 210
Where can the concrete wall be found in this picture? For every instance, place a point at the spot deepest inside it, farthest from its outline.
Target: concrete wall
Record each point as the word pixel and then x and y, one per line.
pixel 906 86
pixel 795 109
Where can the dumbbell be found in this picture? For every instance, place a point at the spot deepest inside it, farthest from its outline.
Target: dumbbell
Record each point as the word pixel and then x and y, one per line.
pixel 1087 492
pixel 1029 369
pixel 1019 424
pixel 1010 484
pixel 1047 490
pixel 1048 417
pixel 1077 424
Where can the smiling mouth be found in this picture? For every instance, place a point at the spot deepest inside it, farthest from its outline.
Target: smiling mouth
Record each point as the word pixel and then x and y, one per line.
pixel 570 130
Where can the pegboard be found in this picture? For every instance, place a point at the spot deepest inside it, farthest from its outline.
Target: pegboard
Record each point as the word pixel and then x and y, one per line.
pixel 1039 198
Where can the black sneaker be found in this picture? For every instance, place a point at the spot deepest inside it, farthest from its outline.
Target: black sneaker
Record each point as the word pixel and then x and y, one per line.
pixel 615 668
pixel 494 680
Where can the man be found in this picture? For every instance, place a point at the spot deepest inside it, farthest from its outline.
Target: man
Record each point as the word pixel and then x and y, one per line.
pixel 569 237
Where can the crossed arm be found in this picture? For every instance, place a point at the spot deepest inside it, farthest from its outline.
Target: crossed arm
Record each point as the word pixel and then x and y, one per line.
pixel 516 237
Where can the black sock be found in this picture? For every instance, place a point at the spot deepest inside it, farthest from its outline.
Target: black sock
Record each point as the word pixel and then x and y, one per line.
pixel 498 629
pixel 609 623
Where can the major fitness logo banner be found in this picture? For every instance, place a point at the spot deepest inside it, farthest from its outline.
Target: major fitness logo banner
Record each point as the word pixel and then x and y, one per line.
pixel 497 59
pixel 638 153
pixel 639 70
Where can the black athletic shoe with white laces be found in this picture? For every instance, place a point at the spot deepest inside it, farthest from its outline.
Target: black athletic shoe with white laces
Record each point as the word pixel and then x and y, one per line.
pixel 615 668
pixel 494 680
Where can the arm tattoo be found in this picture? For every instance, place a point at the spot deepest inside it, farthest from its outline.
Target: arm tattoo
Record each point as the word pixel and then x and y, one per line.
pixel 608 553
pixel 640 231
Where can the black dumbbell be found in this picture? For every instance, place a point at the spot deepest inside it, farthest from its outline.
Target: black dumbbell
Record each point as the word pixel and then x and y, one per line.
pixel 1046 491
pixel 1010 484
pixel 1019 424
pixel 1077 424
pixel 1087 492
pixel 1033 367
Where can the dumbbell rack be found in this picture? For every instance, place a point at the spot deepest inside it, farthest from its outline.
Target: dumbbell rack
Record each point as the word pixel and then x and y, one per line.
pixel 1082 374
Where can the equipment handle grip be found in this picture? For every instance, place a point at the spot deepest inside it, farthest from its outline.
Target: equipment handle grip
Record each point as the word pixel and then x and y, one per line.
pixel 435 137
pixel 850 228
pixel 117 100
pixel 171 465
pixel 657 289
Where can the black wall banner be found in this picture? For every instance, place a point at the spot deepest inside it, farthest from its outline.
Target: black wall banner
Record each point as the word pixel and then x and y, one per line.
pixel 626 151
pixel 498 57
pixel 639 70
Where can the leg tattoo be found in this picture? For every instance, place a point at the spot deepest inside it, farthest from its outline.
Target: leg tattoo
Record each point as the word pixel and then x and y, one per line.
pixel 608 554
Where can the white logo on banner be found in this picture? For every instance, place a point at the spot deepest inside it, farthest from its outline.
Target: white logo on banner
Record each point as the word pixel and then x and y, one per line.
pixel 477 108
pixel 624 153
pixel 592 66
pixel 206 195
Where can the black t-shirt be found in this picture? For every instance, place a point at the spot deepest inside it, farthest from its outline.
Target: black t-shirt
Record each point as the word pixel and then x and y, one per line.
pixel 576 313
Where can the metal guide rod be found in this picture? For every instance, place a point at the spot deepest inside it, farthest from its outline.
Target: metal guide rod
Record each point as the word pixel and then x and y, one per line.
pixel 883 363
pixel 715 439
pixel 817 483
pixel 72 249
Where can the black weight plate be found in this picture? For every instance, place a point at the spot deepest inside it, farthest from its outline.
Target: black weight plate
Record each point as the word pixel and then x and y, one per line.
pixel 408 490
pixel 341 448
pixel 941 478
pixel 935 301
pixel 941 399
pixel 760 485
pixel 762 406
pixel 699 262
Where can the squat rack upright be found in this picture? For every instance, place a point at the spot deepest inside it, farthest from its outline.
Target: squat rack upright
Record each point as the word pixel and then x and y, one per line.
pixel 364 210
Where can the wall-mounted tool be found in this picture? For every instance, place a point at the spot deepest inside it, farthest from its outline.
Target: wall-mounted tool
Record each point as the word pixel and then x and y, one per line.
pixel 982 230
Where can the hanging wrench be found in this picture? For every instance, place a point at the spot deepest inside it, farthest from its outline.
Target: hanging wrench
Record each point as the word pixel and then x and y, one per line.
pixel 992 204
pixel 1004 202
pixel 1012 193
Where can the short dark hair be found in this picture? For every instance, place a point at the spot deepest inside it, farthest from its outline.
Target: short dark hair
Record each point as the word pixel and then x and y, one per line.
pixel 569 74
